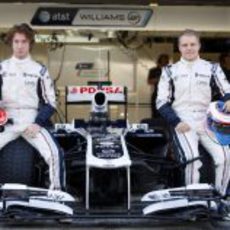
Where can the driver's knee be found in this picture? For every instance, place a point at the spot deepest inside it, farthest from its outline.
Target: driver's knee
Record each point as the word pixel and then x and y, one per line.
pixel 219 160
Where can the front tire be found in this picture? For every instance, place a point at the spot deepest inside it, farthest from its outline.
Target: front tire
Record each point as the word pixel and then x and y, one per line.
pixel 17 163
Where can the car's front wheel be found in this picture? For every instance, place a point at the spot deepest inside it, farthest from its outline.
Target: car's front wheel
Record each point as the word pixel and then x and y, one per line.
pixel 17 163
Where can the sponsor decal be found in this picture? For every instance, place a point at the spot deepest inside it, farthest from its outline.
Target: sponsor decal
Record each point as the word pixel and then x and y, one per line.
pixel 92 16
pixel 54 16
pixel 134 18
pixel 30 83
pixel 30 75
pixel 93 90
pixel 202 75
pixel 5 74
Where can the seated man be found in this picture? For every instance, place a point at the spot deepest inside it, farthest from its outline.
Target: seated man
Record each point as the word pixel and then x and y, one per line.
pixel 27 95
pixel 184 94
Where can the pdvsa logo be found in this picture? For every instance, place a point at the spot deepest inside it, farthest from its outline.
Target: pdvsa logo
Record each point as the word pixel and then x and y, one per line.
pixel 92 90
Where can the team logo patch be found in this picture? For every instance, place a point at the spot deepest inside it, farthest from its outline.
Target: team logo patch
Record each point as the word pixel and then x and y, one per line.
pixel 202 75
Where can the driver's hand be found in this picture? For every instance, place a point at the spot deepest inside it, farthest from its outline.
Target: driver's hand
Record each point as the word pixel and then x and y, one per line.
pixel 182 127
pixel 227 106
pixel 32 130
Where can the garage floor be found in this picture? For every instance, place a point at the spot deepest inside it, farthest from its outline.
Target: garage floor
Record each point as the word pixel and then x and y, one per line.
pixel 194 226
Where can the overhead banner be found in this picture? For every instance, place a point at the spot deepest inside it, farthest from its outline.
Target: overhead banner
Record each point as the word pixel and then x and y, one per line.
pixel 96 17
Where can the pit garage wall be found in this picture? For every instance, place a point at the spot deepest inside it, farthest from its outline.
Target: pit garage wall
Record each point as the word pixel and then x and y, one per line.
pixel 128 68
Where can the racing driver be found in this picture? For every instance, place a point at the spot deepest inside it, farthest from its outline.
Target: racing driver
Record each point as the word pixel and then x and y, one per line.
pixel 29 99
pixel 184 94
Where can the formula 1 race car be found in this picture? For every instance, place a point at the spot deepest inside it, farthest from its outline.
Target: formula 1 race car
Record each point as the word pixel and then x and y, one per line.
pixel 116 173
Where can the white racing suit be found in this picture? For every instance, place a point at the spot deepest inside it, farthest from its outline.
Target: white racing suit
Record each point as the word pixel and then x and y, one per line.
pixel 184 94
pixel 28 97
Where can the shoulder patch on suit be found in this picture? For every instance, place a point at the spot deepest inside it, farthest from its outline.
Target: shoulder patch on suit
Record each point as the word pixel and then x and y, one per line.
pixel 214 66
pixel 43 70
pixel 168 70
